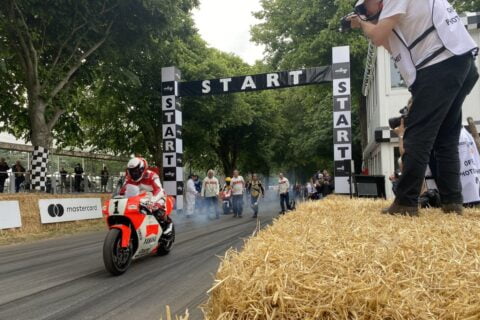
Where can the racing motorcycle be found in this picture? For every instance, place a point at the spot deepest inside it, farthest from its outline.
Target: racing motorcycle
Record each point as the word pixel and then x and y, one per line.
pixel 226 196
pixel 134 230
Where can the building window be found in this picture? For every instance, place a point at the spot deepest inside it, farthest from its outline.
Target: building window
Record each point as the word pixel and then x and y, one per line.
pixel 395 77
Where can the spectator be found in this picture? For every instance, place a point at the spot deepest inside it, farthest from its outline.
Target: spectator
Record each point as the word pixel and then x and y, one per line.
pixel 191 195
pixel 255 188
pixel 283 187
pixel 28 179
pixel 3 173
pixel 238 186
pixel 210 190
pixel 199 200
pixel 19 172
pixel 327 183
pixel 78 177
pixel 318 185
pixel 63 179
pixel 394 179
pixel 469 169
pixel 310 191
pixel 104 175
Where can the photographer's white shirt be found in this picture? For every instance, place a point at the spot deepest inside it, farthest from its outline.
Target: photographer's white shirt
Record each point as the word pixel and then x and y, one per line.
pixel 413 23
pixel 416 18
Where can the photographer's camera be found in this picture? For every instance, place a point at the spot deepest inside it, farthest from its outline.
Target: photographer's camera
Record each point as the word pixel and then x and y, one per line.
pixel 397 121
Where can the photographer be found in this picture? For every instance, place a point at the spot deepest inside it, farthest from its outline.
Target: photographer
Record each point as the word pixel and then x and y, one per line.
pixel 433 52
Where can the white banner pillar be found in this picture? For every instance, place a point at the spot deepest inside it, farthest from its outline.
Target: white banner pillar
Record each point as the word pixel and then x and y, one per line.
pixel 342 117
pixel 172 173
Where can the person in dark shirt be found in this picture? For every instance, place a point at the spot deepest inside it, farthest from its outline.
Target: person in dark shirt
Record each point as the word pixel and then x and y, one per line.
pixel 63 179
pixel 78 176
pixel 104 179
pixel 19 172
pixel 3 173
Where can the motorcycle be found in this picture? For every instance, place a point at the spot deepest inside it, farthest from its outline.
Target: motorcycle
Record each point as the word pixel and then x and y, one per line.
pixel 226 196
pixel 134 230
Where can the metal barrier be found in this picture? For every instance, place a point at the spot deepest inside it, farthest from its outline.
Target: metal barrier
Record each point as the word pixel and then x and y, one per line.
pixel 58 183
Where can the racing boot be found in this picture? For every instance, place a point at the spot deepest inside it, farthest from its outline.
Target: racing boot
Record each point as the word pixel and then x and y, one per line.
pixel 167 226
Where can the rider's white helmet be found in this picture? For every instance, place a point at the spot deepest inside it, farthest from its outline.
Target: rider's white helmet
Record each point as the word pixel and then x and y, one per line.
pixel 136 167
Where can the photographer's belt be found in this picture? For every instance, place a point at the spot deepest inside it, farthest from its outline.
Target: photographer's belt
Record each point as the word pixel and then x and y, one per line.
pixel 417 41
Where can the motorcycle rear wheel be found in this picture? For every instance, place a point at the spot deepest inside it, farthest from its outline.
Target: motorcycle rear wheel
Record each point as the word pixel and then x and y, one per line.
pixel 115 258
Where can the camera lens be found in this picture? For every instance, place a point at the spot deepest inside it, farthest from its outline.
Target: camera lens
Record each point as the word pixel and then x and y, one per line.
pixel 395 122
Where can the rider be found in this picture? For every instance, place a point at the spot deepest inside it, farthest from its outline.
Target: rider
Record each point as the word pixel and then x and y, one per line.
pixel 227 186
pixel 146 180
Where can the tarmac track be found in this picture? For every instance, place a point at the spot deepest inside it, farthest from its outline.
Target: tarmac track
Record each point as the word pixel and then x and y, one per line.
pixel 64 278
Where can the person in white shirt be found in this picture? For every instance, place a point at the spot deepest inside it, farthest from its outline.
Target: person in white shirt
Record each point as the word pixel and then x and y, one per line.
pixel 238 187
pixel 210 190
pixel 434 53
pixel 191 195
pixel 283 187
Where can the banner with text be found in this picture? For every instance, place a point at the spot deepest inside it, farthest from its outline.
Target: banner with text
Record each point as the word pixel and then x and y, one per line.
pixel 71 209
pixel 264 81
pixel 10 215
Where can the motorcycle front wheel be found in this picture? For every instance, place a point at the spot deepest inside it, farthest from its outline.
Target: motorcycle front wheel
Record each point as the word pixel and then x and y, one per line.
pixel 116 259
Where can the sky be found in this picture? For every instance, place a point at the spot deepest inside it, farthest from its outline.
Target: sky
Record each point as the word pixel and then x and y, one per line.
pixel 225 25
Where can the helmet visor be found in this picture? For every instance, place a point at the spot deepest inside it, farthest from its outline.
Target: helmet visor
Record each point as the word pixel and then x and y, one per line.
pixel 135 173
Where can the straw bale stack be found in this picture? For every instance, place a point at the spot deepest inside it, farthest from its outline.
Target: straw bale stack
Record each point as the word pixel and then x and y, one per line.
pixel 30 215
pixel 341 259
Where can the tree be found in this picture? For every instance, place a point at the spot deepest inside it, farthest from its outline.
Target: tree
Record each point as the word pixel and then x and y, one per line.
pixel 301 34
pixel 50 48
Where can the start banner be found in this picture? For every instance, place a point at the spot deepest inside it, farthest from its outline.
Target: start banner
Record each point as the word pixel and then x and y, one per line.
pixel 10 215
pixel 72 209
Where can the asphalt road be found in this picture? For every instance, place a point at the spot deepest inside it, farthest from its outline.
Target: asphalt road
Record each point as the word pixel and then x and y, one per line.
pixel 65 278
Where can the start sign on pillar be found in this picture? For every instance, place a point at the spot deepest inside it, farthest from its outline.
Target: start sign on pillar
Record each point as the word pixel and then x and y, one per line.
pixel 342 118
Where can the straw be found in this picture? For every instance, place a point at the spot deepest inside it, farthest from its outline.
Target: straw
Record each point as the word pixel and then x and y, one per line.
pixel 341 259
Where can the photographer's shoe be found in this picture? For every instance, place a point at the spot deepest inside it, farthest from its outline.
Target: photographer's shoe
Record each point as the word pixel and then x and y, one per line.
pixel 452 208
pixel 401 210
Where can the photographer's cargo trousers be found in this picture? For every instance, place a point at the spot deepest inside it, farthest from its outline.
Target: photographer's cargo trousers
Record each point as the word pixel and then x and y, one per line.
pixel 434 123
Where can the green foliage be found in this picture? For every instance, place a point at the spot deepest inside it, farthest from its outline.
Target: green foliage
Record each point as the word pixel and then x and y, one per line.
pixel 50 50
pixel 301 34
pixel 87 73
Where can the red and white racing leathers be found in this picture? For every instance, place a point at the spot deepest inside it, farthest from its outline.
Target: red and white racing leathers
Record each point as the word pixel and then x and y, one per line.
pixel 150 182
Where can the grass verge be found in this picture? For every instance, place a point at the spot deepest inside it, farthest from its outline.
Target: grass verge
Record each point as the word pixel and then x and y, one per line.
pixel 32 229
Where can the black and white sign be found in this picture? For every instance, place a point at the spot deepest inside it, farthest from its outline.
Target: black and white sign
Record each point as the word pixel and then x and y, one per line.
pixel 264 81
pixel 342 119
pixel 10 215
pixel 172 175
pixel 172 89
pixel 72 209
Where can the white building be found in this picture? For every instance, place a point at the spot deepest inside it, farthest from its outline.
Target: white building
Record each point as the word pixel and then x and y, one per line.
pixel 385 94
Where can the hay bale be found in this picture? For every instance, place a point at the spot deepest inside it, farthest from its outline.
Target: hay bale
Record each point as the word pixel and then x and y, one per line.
pixel 31 225
pixel 342 259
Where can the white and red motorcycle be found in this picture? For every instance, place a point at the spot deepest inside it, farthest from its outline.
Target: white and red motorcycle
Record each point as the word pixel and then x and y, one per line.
pixel 134 230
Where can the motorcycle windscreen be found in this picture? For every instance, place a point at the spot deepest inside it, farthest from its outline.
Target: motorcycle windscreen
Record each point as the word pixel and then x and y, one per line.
pixel 132 191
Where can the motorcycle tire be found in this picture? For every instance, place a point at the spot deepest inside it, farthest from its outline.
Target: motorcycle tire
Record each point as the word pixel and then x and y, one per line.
pixel 116 261
pixel 165 243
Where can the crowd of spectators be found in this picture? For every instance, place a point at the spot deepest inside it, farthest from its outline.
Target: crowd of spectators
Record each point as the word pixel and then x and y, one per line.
pixel 22 178
pixel 320 185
